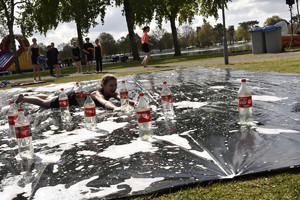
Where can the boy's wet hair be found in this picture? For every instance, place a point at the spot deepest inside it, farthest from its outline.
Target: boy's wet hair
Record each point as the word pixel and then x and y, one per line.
pixel 106 78
pixel 145 28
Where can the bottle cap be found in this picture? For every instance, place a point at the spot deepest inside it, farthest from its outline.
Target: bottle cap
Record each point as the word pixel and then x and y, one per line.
pixel 165 82
pixel 11 101
pixel 20 109
pixel 77 83
pixel 141 94
pixel 88 94
pixel 243 80
pixel 123 81
pixel 62 89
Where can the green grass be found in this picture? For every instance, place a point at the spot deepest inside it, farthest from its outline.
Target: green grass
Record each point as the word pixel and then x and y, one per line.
pixel 285 185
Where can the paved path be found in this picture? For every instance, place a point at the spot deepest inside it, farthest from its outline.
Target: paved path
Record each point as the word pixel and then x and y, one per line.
pixel 248 57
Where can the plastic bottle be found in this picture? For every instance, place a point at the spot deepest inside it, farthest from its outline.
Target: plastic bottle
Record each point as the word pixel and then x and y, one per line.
pixel 64 108
pixel 79 94
pixel 245 103
pixel 124 97
pixel 89 113
pixel 24 136
pixel 144 118
pixel 166 101
pixel 12 116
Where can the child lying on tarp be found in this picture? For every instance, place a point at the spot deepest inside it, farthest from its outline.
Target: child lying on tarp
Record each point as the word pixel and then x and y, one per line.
pixel 106 90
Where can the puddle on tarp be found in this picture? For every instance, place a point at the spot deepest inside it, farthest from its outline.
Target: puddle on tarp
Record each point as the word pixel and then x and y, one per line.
pixel 204 141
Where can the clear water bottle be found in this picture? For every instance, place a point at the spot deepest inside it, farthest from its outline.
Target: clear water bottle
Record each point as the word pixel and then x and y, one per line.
pixel 89 113
pixel 12 116
pixel 124 97
pixel 144 118
pixel 245 103
pixel 79 95
pixel 166 101
pixel 24 136
pixel 64 108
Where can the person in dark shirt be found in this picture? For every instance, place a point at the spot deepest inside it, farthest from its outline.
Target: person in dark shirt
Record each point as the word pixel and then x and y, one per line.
pixel 98 55
pixel 88 50
pixel 76 54
pixel 50 60
pixel 34 49
pixel 55 55
pixel 100 95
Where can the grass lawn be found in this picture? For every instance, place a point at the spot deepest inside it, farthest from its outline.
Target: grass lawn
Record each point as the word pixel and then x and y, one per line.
pixel 279 185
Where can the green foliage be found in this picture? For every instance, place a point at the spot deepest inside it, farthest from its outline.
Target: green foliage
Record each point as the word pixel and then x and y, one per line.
pixel 219 33
pixel 230 34
pixel 108 44
pixel 206 35
pixel 211 7
pixel 273 20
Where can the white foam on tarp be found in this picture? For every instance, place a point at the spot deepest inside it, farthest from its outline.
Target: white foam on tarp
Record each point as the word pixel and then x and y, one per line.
pixel 267 98
pixel 81 191
pixel 189 104
pixel 55 168
pixel 11 188
pixel 86 153
pixel 274 131
pixel 175 139
pixel 4 127
pixel 125 150
pixel 110 126
pixel 217 87
pixel 202 154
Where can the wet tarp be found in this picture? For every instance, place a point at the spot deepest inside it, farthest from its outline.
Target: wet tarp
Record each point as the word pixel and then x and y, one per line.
pixel 204 141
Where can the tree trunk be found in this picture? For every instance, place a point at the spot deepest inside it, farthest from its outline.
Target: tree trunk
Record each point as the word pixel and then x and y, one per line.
pixel 13 46
pixel 80 44
pixel 130 26
pixel 10 23
pixel 175 38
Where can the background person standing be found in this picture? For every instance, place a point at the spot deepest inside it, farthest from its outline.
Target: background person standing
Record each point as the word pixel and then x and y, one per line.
pixel 55 55
pixel 35 52
pixel 50 60
pixel 98 55
pixel 88 49
pixel 76 54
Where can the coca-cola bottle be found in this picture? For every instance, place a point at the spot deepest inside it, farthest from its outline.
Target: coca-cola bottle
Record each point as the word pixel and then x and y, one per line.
pixel 144 118
pixel 12 116
pixel 64 108
pixel 79 94
pixel 245 103
pixel 166 101
pixel 124 97
pixel 89 113
pixel 24 136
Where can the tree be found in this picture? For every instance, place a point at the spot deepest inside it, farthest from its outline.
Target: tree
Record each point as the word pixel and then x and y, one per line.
pixel 244 28
pixel 188 36
pixel 7 11
pixel 206 35
pixel 219 33
pixel 156 37
pixel 182 11
pixel 273 20
pixel 40 15
pixel 167 40
pixel 230 34
pixel 136 13
pixel 108 44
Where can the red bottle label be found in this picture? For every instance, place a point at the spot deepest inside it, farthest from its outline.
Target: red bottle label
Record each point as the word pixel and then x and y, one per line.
pixel 143 116
pixel 79 94
pixel 63 103
pixel 124 95
pixel 90 112
pixel 23 131
pixel 12 119
pixel 166 98
pixel 245 102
